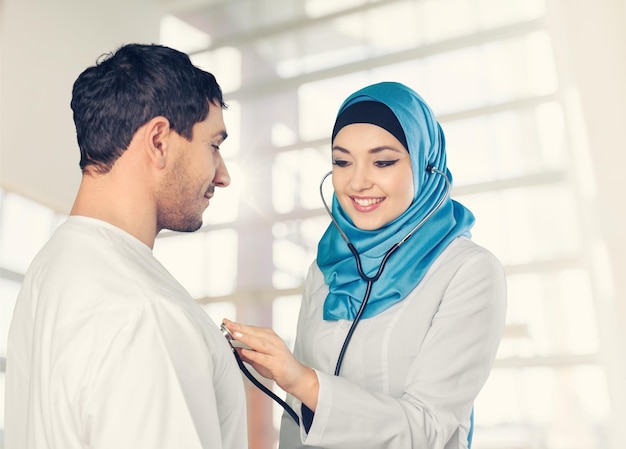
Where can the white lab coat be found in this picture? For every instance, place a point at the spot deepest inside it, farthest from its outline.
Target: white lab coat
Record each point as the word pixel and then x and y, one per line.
pixel 107 350
pixel 410 375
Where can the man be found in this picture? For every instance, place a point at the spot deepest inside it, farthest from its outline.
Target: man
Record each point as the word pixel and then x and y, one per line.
pixel 106 349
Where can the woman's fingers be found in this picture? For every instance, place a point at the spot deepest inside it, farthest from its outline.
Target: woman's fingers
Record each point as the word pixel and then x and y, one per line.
pixel 260 339
pixel 268 354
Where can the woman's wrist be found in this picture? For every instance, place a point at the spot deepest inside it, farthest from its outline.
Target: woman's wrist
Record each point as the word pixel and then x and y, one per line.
pixel 307 389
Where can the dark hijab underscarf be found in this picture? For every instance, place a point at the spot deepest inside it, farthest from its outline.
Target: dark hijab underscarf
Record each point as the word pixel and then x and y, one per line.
pixel 413 123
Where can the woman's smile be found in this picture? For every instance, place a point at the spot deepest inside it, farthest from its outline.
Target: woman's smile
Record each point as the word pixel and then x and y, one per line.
pixel 366 204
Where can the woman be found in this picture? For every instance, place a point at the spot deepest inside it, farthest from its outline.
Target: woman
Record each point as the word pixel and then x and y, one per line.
pixel 427 337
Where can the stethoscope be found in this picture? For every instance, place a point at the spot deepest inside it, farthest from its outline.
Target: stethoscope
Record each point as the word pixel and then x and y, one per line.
pixel 357 257
pixel 368 279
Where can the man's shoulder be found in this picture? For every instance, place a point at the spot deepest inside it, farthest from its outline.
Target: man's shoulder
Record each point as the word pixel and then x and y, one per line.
pixel 87 263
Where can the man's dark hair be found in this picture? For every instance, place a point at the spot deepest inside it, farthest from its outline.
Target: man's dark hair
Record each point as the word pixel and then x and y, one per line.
pixel 129 87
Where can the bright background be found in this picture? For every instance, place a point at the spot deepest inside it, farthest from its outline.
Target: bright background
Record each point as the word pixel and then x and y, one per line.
pixel 530 95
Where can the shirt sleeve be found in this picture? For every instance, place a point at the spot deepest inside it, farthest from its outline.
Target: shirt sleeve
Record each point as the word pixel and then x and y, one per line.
pixel 452 365
pixel 153 385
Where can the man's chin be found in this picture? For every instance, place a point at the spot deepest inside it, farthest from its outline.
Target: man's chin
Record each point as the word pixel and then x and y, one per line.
pixel 192 228
pixel 185 227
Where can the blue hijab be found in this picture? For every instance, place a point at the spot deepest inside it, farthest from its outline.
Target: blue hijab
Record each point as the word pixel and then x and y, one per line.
pixel 408 265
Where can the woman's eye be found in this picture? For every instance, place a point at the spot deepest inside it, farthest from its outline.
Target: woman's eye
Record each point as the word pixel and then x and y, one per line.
pixel 385 163
pixel 340 163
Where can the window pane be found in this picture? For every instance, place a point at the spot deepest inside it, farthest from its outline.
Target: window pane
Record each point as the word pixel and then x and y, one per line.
pixel 520 67
pixel 557 312
pixel 525 225
pixel 319 102
pixel 220 253
pixel 295 248
pixel 224 63
pixel 553 407
pixel 285 311
pixel 504 70
pixel 25 227
pixel 460 19
pixel 503 12
pixel 181 35
pixel 220 310
pixel 505 145
pixel 296 176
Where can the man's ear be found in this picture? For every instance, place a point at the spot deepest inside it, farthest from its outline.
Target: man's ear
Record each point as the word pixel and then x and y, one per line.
pixel 157 137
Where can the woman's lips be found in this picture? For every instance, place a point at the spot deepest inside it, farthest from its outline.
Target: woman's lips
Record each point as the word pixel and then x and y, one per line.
pixel 366 204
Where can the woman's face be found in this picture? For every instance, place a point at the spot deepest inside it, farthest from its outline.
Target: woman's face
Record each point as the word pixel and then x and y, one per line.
pixel 372 175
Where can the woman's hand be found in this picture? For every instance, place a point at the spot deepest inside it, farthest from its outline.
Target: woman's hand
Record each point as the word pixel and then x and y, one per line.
pixel 271 358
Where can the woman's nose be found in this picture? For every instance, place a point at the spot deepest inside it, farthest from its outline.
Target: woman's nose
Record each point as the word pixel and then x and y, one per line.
pixel 361 179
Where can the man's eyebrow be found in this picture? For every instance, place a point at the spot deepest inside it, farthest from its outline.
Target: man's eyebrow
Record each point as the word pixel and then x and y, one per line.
pixel 223 135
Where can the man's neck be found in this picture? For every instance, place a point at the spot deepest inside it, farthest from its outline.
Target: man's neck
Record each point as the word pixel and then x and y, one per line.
pixel 105 197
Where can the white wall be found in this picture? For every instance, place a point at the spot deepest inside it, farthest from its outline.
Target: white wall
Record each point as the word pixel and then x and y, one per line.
pixel 593 43
pixel 44 47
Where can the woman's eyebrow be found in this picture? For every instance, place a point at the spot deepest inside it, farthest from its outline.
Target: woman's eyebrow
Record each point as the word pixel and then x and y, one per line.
pixel 341 149
pixel 371 150
pixel 383 148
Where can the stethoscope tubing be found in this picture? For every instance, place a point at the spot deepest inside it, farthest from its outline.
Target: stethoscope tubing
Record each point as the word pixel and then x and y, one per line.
pixel 263 388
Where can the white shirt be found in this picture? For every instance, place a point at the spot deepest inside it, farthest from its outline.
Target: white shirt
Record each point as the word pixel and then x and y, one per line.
pixel 410 374
pixel 107 350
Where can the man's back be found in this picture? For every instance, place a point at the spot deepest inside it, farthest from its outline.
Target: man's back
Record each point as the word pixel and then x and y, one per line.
pixel 106 349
